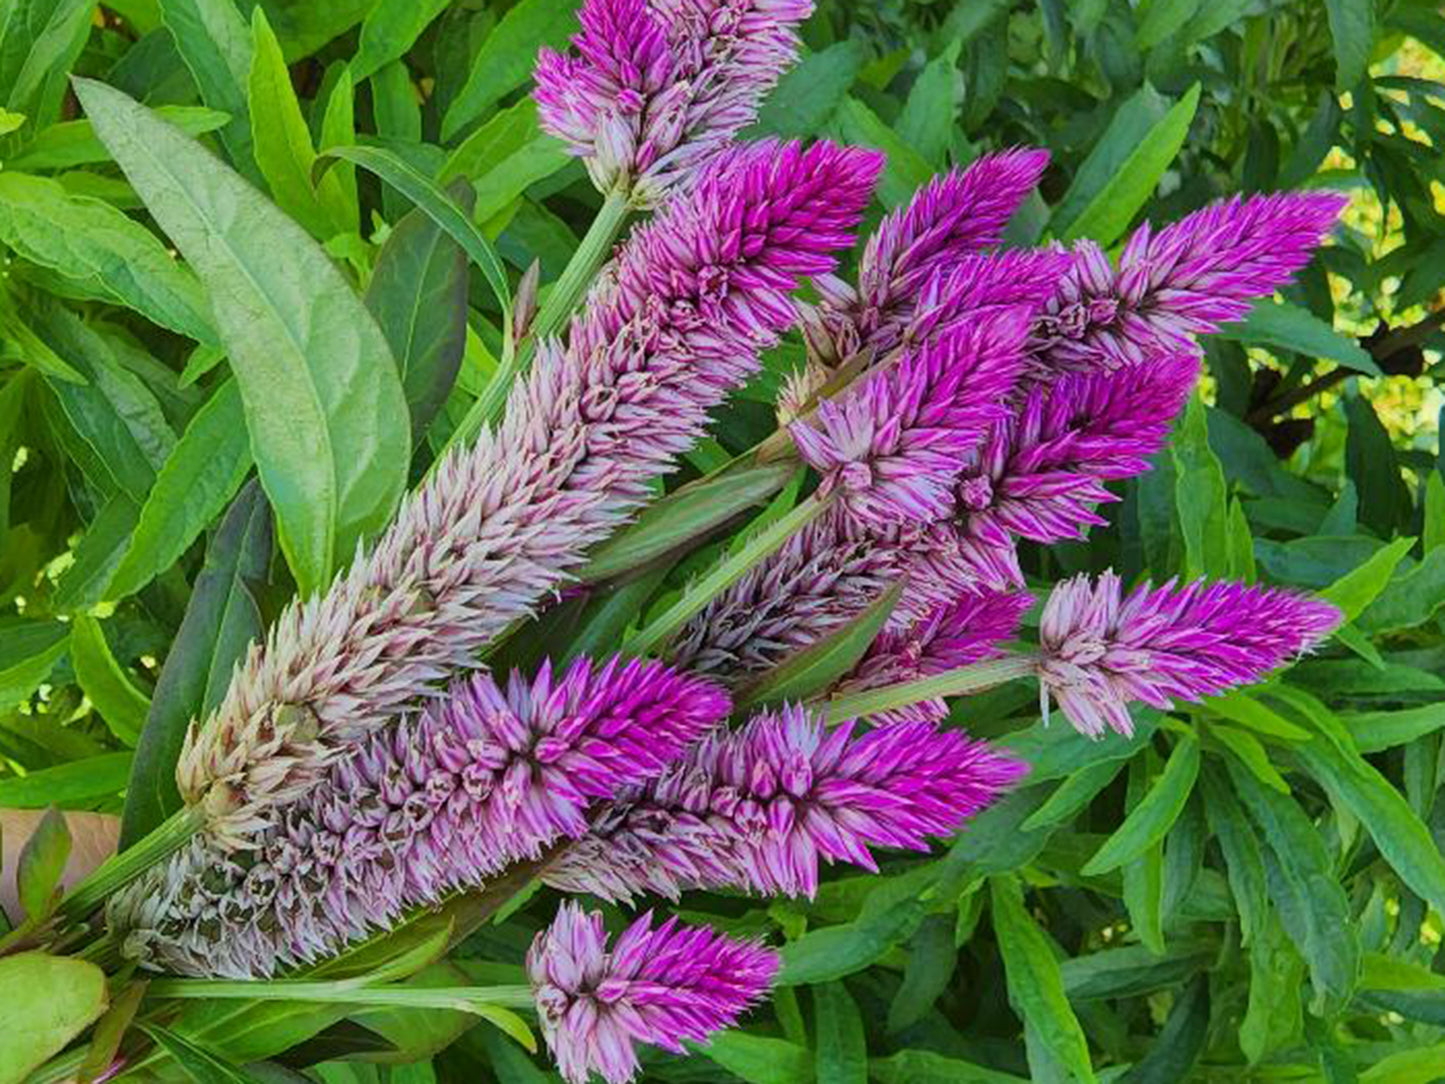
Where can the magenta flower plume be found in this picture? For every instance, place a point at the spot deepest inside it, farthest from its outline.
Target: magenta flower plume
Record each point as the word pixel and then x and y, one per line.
pixel 658 986
pixel 491 776
pixel 692 300
pixel 657 87
pixel 893 446
pixel 1102 649
pixel 1203 271
pixel 759 808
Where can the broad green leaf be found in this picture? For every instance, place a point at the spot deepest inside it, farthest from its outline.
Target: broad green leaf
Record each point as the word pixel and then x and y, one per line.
pixel 324 405
pixel 61 997
pixel 1251 753
pixel 204 472
pixel 1035 985
pixel 102 252
pixel 442 210
pixel 505 157
pixel 1240 707
pixel 1434 512
pixel 40 41
pixel 905 171
pixel 1129 123
pixel 282 141
pixel 1422 1065
pixel 507 56
pixel 215 44
pixel 807 96
pixel 1241 544
pixel 111 1028
pixel 1243 855
pixel 815 667
pixel 337 190
pixel 916 1066
pixel 1201 496
pixel 199 1064
pixel 932 958
pixel 1132 970
pixel 683 517
pixel 1073 794
pixel 1273 1015
pixel 1410 599
pixel 1374 731
pixel 1372 464
pixel 74 142
pixel 85 583
pixel 928 118
pixel 76 784
pixel 389 31
pixel 119 702
pixel 842 1048
pixel 1305 890
pixel 1355 591
pixel 1352 27
pixel 759 1060
pixel 41 863
pixel 890 914
pixel 1149 821
pixel 1173 1054
pixel 1162 19
pixel 222 618
pixel 28 651
pixel 1109 213
pixel 1143 876
pixel 1280 324
pixel 418 294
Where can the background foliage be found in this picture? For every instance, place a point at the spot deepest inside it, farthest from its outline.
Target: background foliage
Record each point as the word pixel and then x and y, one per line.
pixel 1250 890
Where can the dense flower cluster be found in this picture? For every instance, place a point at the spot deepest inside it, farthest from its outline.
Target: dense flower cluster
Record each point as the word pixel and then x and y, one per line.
pixel 1103 649
pixel 658 87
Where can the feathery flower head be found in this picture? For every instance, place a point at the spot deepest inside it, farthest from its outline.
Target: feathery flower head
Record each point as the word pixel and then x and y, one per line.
pixel 892 447
pixel 660 86
pixel 491 776
pixel 758 808
pixel 1102 649
pixel 1186 280
pixel 657 986
pixel 695 296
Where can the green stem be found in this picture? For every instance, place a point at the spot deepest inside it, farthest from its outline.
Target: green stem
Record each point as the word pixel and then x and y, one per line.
pixel 120 869
pixel 959 682
pixel 723 575
pixel 566 292
pixel 462 998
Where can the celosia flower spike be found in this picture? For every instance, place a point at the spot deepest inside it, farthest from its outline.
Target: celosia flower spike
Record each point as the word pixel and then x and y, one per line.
pixel 660 86
pixel 491 776
pixel 692 300
pixel 1187 279
pixel 658 986
pixel 759 808
pixel 1102 650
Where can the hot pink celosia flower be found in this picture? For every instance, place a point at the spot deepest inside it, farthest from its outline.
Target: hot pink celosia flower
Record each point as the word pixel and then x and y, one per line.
pixel 660 986
pixel 657 87
pixel 491 776
pixel 892 446
pixel 1185 280
pixel 759 808
pixel 1102 649
pixel 691 301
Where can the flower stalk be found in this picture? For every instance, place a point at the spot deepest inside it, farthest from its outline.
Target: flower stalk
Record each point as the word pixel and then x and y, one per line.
pixel 957 682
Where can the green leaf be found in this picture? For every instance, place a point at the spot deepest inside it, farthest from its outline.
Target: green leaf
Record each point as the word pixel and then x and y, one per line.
pixel 1434 504
pixel 423 192
pixel 931 962
pixel 324 405
pixel 1410 599
pixel 810 93
pixel 1173 1055
pixel 62 996
pixel 282 141
pixel 1352 28
pixel 759 1060
pixel 905 171
pixel 110 1029
pixel 1423 1065
pixel 28 651
pixel 337 190
pixel 1251 753
pixel 1162 20
pixel 915 1066
pixel 389 31
pixel 1149 821
pixel 1109 213
pixel 199 1065
pixel 215 44
pixel 507 56
pixel 842 1048
pixel 418 294
pixel 505 157
pixel 120 703
pixel 222 618
pixel 204 472
pixel 1289 327
pixel 1201 496
pixel 1073 794
pixel 85 583
pixel 1035 985
pixel 1374 731
pixel 1132 971
pixel 927 122
pixel 102 252
pixel 1353 592
pixel 1144 876
pixel 74 142
pixel 1243 855
pixel 40 41
pixel 41 863
pixel 1372 464
pixel 815 667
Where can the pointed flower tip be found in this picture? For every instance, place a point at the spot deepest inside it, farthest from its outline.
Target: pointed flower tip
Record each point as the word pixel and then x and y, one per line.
pixel 657 986
pixel 1103 649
